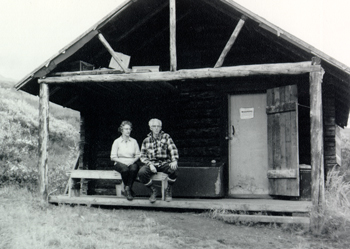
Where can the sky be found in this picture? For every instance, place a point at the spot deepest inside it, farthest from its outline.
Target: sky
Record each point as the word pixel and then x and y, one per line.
pixel 32 31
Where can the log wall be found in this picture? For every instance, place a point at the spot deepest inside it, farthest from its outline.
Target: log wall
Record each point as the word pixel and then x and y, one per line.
pixel 332 140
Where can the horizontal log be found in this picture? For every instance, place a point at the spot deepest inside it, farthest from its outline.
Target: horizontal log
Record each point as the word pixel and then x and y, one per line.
pixel 223 72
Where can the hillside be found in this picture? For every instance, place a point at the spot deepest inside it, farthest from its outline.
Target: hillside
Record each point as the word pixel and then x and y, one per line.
pixel 57 111
pixel 19 138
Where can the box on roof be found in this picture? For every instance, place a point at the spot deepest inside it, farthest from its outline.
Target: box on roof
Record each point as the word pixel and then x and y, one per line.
pixel 125 59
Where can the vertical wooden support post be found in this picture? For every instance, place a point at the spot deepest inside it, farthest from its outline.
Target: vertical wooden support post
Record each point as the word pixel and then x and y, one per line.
pixel 317 157
pixel 173 59
pixel 43 140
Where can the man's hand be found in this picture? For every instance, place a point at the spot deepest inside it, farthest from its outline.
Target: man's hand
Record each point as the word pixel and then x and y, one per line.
pixel 153 168
pixel 173 165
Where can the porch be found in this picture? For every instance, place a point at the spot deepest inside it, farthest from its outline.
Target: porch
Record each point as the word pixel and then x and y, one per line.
pixel 268 210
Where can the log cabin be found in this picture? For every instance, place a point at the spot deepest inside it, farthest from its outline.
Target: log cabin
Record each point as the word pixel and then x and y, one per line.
pixel 254 111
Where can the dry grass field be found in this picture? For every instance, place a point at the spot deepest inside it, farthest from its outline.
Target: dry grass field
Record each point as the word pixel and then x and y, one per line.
pixel 27 223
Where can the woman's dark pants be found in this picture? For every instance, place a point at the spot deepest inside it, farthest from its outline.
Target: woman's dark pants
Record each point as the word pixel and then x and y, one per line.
pixel 129 173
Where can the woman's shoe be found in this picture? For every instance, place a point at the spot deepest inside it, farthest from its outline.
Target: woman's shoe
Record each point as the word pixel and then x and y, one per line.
pixel 128 193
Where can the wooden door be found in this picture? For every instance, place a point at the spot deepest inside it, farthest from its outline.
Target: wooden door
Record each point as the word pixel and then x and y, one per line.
pixel 248 146
pixel 283 156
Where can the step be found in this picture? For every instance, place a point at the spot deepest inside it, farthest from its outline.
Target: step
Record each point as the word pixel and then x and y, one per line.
pixel 237 218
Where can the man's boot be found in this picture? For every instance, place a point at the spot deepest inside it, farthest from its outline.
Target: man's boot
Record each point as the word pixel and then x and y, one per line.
pixel 169 193
pixel 128 193
pixel 153 196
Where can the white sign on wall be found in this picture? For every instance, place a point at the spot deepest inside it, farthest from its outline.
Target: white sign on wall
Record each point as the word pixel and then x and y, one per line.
pixel 246 113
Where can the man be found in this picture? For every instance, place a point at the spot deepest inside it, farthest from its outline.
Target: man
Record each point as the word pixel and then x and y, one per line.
pixel 159 154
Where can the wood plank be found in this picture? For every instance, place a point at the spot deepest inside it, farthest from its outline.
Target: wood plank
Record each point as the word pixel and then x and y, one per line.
pixel 43 140
pixel 236 218
pixel 173 58
pixel 75 166
pixel 285 107
pixel 186 203
pixel 95 174
pixel 269 102
pixel 282 173
pixel 276 130
pixel 230 43
pixel 223 72
pixel 283 94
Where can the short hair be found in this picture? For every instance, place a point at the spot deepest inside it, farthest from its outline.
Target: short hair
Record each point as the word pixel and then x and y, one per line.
pixel 125 122
pixel 153 120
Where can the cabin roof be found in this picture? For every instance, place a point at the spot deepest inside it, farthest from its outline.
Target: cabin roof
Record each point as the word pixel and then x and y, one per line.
pixel 140 29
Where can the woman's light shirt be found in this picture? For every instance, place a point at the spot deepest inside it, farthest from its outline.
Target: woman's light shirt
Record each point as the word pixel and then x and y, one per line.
pixel 125 151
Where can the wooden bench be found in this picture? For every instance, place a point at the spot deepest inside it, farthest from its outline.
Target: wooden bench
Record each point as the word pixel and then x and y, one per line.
pixel 112 175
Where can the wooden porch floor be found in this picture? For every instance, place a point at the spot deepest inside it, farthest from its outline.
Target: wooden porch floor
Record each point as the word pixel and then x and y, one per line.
pixel 248 205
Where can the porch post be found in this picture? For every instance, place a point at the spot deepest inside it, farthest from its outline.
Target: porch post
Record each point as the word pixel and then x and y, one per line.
pixel 43 140
pixel 317 162
pixel 173 59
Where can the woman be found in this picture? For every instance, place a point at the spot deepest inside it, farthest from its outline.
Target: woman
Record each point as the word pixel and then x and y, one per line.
pixel 126 153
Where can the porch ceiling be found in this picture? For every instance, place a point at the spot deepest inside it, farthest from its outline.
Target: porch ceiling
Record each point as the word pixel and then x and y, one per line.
pixel 76 96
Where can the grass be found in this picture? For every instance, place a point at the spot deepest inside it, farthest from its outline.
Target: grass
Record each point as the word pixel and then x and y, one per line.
pixel 27 223
pixel 336 212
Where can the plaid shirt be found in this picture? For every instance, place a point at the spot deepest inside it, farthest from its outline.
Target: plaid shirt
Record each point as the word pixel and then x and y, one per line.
pixel 158 151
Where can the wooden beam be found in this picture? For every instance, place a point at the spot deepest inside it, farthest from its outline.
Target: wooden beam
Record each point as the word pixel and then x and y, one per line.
pixel 230 42
pixel 111 51
pixel 317 155
pixel 206 73
pixel 173 59
pixel 43 140
pixel 159 33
